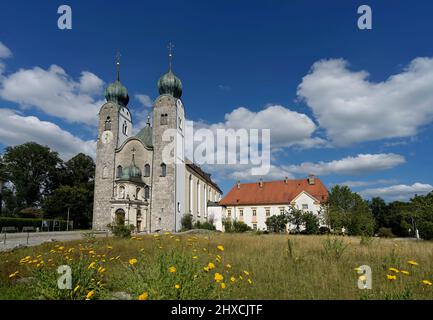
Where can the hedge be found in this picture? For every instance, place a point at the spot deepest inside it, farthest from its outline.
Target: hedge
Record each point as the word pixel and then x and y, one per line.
pixel 19 223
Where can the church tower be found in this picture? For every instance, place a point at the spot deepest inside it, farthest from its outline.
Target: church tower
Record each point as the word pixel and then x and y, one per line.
pixel 168 181
pixel 113 128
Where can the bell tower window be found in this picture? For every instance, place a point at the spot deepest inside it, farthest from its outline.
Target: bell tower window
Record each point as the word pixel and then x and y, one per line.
pixel 107 126
pixel 164 119
pixel 119 172
pixel 163 170
pixel 147 170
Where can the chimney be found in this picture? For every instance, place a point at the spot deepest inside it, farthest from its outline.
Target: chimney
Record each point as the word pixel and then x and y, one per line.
pixel 286 180
pixel 311 179
pixel 238 184
pixel 261 183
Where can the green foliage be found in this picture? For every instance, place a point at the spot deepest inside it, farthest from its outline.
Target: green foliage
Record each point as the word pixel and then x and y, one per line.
pixel 30 213
pixel 277 223
pixel 235 226
pixel 426 230
pixel 347 209
pixel 204 225
pixel 121 230
pixel 311 222
pixel 296 217
pixel 334 247
pixel 186 222
pixel 33 170
pixel 385 232
pixel 77 199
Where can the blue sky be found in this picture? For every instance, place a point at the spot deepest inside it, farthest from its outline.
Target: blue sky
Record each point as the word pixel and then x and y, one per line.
pixel 370 131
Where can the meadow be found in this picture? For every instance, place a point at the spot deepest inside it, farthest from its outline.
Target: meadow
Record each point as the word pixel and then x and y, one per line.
pixel 220 266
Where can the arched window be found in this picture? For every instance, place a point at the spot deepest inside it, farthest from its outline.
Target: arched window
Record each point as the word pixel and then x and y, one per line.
pixel 121 192
pixel 119 172
pixel 163 170
pixel 107 124
pixel 105 173
pixel 137 193
pixel 125 127
pixel 164 119
pixel 146 192
pixel 190 194
pixel 147 170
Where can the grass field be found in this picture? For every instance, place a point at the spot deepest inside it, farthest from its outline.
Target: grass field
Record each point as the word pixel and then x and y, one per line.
pixel 221 266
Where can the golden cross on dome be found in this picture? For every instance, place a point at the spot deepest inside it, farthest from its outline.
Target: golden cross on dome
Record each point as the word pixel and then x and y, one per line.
pixel 170 52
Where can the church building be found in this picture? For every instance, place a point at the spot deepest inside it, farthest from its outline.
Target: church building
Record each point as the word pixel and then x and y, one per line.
pixel 136 181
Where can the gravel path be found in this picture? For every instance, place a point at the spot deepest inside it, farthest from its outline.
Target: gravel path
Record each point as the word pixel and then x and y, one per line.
pixel 15 240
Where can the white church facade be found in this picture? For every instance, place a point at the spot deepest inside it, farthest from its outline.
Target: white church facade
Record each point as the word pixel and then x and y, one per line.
pixel 136 182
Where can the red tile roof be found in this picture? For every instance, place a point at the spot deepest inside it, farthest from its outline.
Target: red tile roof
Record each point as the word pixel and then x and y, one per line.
pixel 273 192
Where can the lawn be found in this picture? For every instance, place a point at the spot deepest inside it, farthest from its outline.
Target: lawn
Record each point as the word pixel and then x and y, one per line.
pixel 220 266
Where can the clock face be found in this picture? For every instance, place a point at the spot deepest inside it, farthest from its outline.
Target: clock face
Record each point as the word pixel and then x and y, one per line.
pixel 106 137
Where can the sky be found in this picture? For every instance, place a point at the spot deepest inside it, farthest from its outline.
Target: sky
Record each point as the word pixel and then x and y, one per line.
pixel 352 106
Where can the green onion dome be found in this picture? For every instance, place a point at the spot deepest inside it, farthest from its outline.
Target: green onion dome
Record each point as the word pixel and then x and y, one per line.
pixel 170 84
pixel 117 93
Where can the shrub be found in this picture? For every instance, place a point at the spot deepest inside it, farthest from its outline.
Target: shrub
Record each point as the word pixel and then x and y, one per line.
pixel 235 226
pixel 204 225
pixel 121 231
pixel 311 223
pixel 186 222
pixel 385 232
pixel 426 230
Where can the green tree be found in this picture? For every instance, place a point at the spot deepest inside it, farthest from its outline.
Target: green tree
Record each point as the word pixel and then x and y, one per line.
pixel 77 199
pixel 296 217
pixel 33 171
pixel 311 222
pixel 277 223
pixel 80 170
pixel 347 209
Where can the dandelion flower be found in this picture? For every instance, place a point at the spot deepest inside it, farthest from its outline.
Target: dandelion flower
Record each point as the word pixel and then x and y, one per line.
pixel 405 272
pixel 218 277
pixel 12 275
pixel 391 277
pixel 92 265
pixel 228 265
pixel 132 261
pixel 211 265
pixel 172 269
pixel 412 263
pixel 195 257
pixel 250 281
pixel 90 294
pixel 394 270
pixel 246 273
pixel 427 283
pixel 206 269
pixel 223 285
pixel 143 296
pixel 76 288
pixel 109 247
pixel 233 279
pixel 177 286
pixel 101 270
pixel 220 248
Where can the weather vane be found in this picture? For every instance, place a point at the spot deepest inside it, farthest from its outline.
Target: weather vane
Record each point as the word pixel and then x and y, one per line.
pixel 170 52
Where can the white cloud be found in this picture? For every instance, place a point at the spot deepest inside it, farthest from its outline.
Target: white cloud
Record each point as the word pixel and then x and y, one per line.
pixel 361 164
pixel 287 127
pixel 357 184
pixel 4 54
pixel 90 83
pixel 16 129
pixel 145 100
pixel 353 109
pixel 400 192
pixel 55 93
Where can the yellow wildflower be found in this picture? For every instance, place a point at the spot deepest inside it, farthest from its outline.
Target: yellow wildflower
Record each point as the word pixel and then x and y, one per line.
pixel 228 265
pixel 143 296
pixel 206 269
pixel 412 263
pixel 195 257
pixel 218 277
pixel 76 288
pixel 90 294
pixel 177 286
pixel 223 285
pixel 109 247
pixel 177 239
pixel 172 269
pixel 233 279
pixel 220 248
pixel 132 261
pixel 101 270
pixel 211 266
pixel 405 272
pixel 391 277
pixel 246 273
pixel 250 281
pixel 394 270
pixel 12 275
pixel 358 269
pixel 426 282
pixel 92 265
